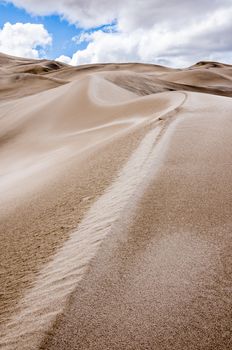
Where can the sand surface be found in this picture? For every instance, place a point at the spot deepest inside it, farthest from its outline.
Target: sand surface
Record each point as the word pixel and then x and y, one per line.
pixel 115 209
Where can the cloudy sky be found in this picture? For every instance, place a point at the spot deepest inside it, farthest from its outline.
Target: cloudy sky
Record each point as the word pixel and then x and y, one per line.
pixel 171 32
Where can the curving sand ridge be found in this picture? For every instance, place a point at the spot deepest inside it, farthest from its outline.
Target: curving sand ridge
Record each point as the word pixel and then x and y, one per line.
pixel 115 206
pixel 48 123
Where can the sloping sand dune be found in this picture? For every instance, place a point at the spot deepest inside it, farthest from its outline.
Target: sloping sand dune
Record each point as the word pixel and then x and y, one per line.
pixel 115 206
pixel 63 122
pixel 199 77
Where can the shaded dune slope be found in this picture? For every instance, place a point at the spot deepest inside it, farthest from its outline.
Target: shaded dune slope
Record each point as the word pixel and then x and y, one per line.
pixel 17 74
pixel 67 120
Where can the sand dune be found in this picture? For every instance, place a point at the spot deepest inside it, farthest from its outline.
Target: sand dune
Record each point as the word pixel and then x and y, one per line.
pixel 115 205
pixel 199 77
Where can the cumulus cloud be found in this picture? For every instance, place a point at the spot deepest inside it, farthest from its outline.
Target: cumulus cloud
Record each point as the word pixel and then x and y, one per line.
pixel 86 13
pixel 207 39
pixel 83 37
pixel 24 39
pixel 64 59
pixel 177 32
pixel 130 14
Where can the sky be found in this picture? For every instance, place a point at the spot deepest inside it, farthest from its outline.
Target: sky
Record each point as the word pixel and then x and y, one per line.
pixel 175 33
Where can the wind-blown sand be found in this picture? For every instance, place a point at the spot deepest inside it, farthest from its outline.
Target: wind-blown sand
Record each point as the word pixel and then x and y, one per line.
pixel 115 206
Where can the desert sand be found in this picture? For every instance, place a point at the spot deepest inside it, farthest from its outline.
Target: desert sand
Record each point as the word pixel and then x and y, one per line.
pixel 115 207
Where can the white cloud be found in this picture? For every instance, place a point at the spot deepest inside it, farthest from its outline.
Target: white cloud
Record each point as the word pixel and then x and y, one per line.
pixel 161 45
pixel 87 13
pixel 64 59
pixel 177 32
pixel 23 39
pixel 130 14
pixel 83 37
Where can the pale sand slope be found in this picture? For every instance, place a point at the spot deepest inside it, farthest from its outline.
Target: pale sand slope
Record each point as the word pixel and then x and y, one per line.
pixel 118 200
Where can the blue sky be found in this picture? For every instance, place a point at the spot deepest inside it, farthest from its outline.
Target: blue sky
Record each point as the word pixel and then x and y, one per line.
pixel 172 32
pixel 61 31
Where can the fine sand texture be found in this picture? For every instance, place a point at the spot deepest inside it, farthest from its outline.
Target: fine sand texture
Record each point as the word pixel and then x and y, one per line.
pixel 115 206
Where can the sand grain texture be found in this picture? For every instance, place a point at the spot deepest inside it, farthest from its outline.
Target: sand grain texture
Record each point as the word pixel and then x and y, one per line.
pixel 115 206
